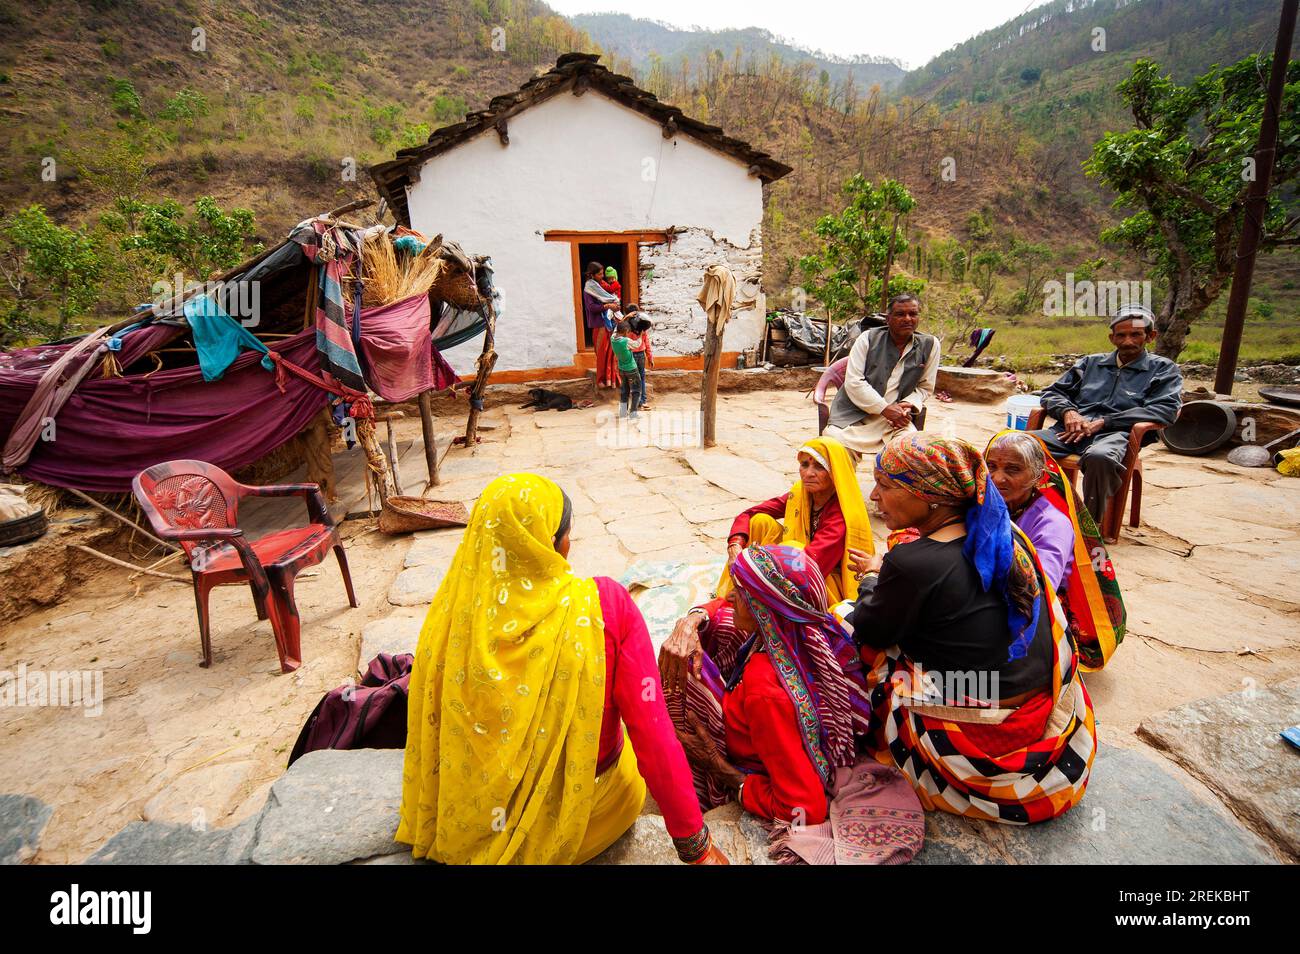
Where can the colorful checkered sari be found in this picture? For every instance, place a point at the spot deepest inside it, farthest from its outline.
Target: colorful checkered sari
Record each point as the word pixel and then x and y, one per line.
pixel 936 748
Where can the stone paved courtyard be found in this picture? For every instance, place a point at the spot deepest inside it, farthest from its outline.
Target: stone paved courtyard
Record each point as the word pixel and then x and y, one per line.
pixel 1209 581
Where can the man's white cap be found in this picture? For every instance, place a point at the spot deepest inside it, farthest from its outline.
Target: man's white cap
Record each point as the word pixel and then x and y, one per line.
pixel 1135 311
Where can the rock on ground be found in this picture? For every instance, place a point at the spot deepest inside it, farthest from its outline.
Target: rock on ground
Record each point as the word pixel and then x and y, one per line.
pixel 332 807
pixel 1134 812
pixel 1232 744
pixel 162 843
pixel 416 585
pixel 392 634
pixel 204 795
pixel 981 385
pixel 22 820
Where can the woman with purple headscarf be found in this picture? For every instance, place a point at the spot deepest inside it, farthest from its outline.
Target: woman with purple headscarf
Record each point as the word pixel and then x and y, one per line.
pixel 766 712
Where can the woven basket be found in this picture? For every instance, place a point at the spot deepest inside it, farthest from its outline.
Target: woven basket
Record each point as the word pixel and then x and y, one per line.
pixel 22 529
pixel 456 287
pixel 407 514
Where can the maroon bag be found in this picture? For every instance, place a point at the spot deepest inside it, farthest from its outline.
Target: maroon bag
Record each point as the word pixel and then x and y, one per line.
pixel 369 715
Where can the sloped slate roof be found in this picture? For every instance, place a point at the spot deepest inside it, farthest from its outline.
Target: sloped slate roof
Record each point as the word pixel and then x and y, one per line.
pixel 578 72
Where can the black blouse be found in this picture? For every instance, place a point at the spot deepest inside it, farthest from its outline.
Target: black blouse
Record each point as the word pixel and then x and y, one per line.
pixel 928 601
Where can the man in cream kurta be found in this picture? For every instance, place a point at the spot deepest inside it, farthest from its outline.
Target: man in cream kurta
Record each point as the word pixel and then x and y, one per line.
pixel 890 375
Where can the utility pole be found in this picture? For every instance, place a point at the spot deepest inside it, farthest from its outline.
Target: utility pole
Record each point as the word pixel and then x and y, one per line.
pixel 1256 204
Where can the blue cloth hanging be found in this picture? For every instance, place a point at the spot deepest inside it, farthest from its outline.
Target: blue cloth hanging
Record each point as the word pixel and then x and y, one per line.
pixel 218 338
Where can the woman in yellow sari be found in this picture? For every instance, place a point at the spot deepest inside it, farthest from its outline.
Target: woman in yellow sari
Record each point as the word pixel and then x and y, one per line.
pixel 823 513
pixel 523 681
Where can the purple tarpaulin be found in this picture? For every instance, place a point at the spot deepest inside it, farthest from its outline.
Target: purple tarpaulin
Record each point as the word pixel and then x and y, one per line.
pixel 110 429
pixel 107 430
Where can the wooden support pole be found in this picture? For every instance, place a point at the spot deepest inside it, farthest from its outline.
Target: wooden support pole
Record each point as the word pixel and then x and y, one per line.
pixel 430 439
pixel 709 391
pixel 486 360
pixel 1256 205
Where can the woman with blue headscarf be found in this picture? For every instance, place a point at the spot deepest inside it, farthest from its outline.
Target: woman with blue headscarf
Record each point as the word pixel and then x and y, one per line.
pixel 975 687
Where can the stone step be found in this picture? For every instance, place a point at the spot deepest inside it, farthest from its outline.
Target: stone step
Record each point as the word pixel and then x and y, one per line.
pixel 341 807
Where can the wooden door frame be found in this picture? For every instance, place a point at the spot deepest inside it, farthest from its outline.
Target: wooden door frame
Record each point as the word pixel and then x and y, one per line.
pixel 633 239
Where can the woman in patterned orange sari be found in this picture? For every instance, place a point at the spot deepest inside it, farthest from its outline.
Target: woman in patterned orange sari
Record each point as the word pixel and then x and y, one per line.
pixel 975 686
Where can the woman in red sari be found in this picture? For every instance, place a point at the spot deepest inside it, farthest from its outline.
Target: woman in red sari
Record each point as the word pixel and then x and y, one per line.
pixel 597 302
pixel 766 689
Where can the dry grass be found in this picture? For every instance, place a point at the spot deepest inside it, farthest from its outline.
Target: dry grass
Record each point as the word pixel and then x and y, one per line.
pixel 388 277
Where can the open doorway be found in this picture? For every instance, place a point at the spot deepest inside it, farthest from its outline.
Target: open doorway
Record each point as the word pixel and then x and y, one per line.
pixel 619 249
pixel 607 254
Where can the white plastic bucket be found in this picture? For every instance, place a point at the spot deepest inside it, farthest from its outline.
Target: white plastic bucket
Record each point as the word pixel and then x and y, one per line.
pixel 1019 407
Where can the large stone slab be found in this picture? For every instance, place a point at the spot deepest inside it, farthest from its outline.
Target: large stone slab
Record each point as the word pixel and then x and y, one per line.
pixel 204 795
pixel 434 547
pixel 392 634
pixel 1231 743
pixel 740 837
pixel 654 532
pixel 1134 812
pixel 163 843
pixel 743 477
pixel 332 807
pixel 981 385
pixel 22 821
pixel 417 585
pixel 1212 616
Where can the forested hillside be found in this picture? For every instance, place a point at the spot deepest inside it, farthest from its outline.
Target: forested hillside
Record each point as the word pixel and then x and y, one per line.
pixel 277 107
pixel 647 44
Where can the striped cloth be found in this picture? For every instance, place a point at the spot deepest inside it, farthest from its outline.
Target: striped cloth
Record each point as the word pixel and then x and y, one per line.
pixel 335 250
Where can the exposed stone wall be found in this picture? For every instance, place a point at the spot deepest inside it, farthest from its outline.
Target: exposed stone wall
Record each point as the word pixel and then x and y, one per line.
pixel 671 275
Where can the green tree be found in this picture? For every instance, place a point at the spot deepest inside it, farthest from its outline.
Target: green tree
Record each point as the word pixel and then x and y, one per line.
pixel 845 274
pixel 1031 259
pixel 51 276
pixel 198 244
pixel 1185 171
pixel 984 267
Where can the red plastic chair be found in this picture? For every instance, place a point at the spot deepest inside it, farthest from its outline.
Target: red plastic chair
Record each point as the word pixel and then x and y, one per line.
pixel 1112 521
pixel 197 504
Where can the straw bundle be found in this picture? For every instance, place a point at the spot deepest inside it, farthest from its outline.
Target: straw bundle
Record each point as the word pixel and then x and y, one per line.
pixel 386 278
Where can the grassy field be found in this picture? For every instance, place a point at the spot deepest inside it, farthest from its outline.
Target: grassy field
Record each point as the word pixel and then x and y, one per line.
pixel 1026 341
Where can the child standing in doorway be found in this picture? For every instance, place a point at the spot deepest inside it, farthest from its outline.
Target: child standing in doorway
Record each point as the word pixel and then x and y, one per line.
pixel 629 379
pixel 645 360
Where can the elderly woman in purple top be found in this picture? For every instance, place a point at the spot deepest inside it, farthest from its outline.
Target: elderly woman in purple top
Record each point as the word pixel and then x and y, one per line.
pixel 1016 464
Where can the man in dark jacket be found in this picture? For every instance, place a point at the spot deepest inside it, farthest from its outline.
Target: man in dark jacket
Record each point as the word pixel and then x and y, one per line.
pixel 1097 402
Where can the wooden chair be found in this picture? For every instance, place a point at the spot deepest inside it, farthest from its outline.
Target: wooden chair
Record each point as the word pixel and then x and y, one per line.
pixel 1113 519
pixel 833 376
pixel 197 504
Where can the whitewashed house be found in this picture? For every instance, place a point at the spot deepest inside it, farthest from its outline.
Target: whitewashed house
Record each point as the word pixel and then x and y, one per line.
pixel 581 165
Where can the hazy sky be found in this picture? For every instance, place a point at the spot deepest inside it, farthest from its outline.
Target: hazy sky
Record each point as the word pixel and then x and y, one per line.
pixel 909 30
